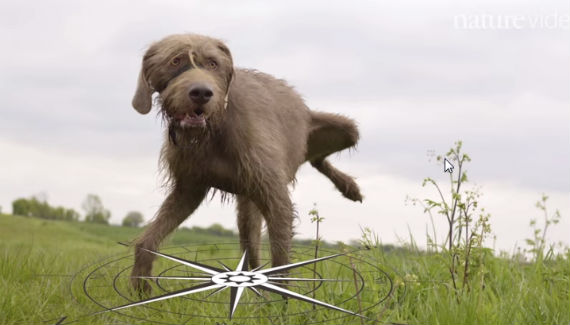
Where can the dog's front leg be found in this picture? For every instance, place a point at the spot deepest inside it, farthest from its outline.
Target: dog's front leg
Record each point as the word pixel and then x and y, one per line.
pixel 249 225
pixel 277 209
pixel 179 204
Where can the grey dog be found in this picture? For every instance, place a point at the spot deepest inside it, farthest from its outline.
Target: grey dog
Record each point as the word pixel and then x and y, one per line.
pixel 238 131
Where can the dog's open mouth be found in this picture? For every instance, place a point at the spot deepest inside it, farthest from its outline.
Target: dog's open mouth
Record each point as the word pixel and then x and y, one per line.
pixel 191 120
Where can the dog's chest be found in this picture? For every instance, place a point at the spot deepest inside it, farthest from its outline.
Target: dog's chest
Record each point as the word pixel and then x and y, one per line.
pixel 222 175
pixel 214 170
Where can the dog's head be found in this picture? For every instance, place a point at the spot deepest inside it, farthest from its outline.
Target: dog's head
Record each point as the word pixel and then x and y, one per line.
pixel 192 75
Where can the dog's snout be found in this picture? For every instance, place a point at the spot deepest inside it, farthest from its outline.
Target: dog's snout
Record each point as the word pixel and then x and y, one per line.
pixel 200 94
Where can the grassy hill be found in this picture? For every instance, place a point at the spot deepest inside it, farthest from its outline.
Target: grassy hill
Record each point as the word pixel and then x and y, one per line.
pixel 41 262
pixel 37 257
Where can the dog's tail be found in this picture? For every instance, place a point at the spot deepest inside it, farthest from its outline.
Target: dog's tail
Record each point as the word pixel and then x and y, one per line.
pixel 332 133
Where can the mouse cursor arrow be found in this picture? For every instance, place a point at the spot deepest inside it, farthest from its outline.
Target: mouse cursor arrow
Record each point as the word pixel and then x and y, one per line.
pixel 447 166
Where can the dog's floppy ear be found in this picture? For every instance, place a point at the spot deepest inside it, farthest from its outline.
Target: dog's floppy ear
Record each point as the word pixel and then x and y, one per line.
pixel 142 101
pixel 227 52
pixel 230 77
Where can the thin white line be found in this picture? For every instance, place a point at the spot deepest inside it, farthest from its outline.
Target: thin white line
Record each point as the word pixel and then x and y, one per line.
pixel 188 263
pixel 173 278
pixel 304 298
pixel 304 279
pixel 294 265
pixel 183 293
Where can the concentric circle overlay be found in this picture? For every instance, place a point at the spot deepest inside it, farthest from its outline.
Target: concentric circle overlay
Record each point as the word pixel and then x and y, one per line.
pixel 212 284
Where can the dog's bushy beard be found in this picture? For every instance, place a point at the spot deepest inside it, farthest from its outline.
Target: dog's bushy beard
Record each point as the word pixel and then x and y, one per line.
pixel 189 137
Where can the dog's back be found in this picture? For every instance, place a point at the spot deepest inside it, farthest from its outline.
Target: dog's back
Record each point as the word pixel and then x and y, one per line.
pixel 275 120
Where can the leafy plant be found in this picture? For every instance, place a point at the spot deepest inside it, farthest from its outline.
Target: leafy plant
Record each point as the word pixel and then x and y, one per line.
pixel 467 224
pixel 315 218
pixel 537 244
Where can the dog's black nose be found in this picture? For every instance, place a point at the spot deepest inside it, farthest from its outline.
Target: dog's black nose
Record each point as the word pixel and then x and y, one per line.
pixel 200 94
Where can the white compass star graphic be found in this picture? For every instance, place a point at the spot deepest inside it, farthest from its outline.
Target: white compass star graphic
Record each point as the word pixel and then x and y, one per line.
pixel 237 280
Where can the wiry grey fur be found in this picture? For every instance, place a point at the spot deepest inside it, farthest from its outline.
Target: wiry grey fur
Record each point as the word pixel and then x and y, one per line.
pixel 251 147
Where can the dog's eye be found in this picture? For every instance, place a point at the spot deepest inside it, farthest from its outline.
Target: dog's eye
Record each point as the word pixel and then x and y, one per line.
pixel 175 61
pixel 211 65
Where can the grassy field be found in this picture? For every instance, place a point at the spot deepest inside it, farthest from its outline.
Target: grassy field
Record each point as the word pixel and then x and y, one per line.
pixel 54 269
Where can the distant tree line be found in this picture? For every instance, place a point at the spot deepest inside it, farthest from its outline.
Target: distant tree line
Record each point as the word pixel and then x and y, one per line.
pixel 35 207
pixel 95 212
pixel 215 229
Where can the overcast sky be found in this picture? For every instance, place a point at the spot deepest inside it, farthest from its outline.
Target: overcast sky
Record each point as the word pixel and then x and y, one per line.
pixel 413 74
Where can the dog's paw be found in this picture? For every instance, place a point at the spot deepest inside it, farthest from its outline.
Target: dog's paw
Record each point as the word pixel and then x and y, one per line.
pixel 141 287
pixel 352 191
